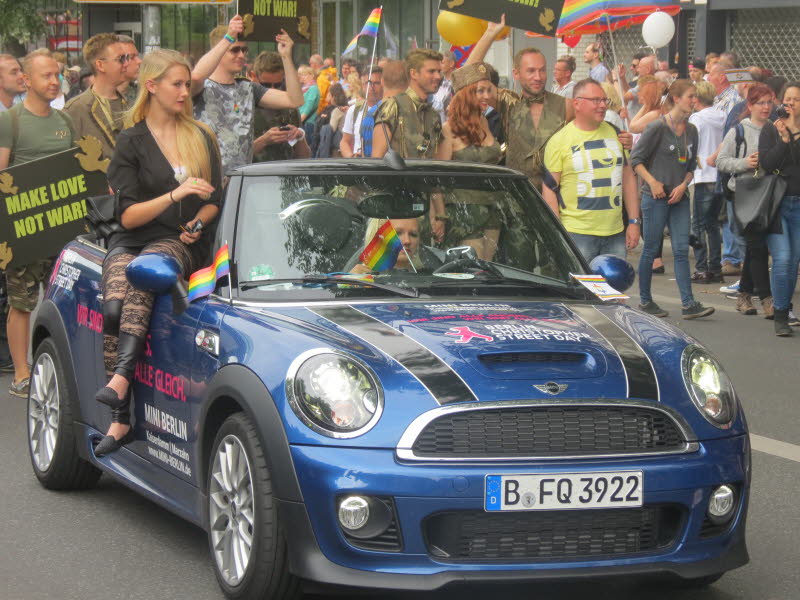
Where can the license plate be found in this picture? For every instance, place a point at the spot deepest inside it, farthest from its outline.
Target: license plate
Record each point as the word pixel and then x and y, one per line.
pixel 564 491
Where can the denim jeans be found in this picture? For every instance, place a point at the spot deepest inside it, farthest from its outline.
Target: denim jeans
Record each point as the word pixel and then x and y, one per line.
pixel 657 213
pixel 733 246
pixel 785 250
pixel 705 225
pixel 595 245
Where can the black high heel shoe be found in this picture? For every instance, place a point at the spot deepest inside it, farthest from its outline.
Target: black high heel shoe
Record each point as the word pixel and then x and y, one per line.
pixel 108 396
pixel 111 444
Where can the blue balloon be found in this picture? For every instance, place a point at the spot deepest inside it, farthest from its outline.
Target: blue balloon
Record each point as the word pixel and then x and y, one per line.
pixel 618 272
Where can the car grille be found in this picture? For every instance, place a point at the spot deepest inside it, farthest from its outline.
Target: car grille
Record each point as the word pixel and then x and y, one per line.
pixel 529 431
pixel 537 535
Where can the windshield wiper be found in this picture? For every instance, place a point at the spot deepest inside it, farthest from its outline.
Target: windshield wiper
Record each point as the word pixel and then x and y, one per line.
pixel 567 289
pixel 326 279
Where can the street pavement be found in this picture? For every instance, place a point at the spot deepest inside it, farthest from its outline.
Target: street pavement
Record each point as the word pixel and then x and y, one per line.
pixel 109 543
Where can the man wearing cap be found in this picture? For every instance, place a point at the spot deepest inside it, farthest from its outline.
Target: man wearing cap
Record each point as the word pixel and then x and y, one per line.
pixel 408 122
pixel 727 96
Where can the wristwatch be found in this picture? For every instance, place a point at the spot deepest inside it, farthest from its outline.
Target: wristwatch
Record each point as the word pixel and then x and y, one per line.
pixel 634 222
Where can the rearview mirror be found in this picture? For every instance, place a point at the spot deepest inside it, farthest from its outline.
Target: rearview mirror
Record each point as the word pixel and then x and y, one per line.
pixel 400 204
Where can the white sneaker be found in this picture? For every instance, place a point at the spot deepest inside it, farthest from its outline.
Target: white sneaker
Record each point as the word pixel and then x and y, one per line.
pixel 793 320
pixel 730 289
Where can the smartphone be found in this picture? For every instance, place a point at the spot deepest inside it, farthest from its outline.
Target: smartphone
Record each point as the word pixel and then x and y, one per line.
pixel 198 226
pixel 284 128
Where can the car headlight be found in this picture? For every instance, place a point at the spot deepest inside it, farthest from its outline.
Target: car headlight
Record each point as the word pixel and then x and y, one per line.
pixel 708 386
pixel 334 394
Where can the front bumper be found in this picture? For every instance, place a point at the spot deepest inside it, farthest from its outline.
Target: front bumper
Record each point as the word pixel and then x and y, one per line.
pixel 320 552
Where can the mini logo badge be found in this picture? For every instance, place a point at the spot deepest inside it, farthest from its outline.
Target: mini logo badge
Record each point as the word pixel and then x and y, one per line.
pixel 552 388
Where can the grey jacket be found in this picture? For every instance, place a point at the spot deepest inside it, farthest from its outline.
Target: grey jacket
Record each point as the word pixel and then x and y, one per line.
pixel 728 161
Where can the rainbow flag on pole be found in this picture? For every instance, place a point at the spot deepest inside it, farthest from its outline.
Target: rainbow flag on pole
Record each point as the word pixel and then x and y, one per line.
pixel 203 282
pixel 382 252
pixel 370 28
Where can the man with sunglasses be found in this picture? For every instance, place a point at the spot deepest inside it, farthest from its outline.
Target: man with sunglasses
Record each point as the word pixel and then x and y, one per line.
pixel 227 103
pixel 588 178
pixel 98 111
pixel 281 137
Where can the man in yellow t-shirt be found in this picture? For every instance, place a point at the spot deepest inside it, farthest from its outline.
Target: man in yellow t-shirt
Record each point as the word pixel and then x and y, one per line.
pixel 588 179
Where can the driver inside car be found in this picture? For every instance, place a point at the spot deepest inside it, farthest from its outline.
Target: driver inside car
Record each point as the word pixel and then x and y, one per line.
pixel 422 258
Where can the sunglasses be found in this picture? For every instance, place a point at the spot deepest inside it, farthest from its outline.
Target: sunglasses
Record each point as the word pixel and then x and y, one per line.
pixel 239 50
pixel 121 59
pixel 272 86
pixel 425 145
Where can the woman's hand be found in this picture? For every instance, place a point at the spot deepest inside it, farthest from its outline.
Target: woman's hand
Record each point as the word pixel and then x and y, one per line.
pixel 438 230
pixel 783 130
pixel 677 194
pixel 657 189
pixel 190 238
pixel 193 186
pixel 361 269
pixel 752 161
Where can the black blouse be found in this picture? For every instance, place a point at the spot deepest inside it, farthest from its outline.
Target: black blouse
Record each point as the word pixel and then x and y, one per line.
pixel 776 155
pixel 139 172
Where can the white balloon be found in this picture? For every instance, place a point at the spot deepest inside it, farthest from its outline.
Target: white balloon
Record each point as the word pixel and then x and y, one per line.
pixel 658 29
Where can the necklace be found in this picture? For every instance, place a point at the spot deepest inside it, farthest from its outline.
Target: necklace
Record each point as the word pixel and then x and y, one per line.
pixel 682 153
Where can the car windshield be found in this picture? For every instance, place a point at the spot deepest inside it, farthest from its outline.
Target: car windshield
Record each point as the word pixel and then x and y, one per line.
pixel 384 234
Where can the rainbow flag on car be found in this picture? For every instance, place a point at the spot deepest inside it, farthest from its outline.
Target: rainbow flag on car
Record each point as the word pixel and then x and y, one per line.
pixel 384 248
pixel 203 282
pixel 370 28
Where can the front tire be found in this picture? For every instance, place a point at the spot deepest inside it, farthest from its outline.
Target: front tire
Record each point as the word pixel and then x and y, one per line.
pixel 51 437
pixel 245 536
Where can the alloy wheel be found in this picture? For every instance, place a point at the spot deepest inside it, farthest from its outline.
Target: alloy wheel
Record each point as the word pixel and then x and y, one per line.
pixel 43 412
pixel 231 513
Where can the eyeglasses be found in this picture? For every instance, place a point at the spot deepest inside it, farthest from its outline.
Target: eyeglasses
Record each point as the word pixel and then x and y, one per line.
pixel 595 101
pixel 239 49
pixel 763 103
pixel 121 59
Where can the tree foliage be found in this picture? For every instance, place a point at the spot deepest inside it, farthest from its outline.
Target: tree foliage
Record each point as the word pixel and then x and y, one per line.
pixel 19 23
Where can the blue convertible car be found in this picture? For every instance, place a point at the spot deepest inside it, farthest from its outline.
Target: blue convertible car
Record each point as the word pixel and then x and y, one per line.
pixel 471 414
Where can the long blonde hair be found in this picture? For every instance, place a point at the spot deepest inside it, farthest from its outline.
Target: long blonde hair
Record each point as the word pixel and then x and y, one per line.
pixel 192 145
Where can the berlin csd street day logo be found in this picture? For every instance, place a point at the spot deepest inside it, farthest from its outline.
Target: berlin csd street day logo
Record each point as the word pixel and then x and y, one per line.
pixel 466 334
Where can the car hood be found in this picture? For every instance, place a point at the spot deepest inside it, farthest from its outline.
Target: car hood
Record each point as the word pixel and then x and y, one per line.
pixel 498 351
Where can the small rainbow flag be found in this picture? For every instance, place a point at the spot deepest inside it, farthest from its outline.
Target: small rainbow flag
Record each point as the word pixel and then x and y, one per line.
pixel 382 252
pixel 202 282
pixel 370 28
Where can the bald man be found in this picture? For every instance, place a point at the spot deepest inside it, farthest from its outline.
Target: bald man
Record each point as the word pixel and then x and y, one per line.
pixel 646 66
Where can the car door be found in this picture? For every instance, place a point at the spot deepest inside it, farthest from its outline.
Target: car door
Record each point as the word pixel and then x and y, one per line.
pixel 162 382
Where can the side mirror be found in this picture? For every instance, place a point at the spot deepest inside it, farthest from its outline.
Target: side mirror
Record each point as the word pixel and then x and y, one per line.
pixel 618 272
pixel 158 274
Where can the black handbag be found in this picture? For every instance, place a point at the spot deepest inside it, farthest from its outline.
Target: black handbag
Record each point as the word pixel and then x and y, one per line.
pixel 757 199
pixel 101 216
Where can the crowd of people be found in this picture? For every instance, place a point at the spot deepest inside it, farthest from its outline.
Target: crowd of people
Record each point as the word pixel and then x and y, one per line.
pixel 630 152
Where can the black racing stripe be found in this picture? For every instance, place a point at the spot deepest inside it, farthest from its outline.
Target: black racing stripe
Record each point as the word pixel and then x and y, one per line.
pixel 641 377
pixel 434 374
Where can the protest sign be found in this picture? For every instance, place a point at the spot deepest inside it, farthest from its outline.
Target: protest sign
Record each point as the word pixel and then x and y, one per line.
pixel 538 16
pixel 264 19
pixel 44 203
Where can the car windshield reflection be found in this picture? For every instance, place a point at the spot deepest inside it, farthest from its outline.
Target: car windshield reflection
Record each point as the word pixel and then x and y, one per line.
pixel 466 235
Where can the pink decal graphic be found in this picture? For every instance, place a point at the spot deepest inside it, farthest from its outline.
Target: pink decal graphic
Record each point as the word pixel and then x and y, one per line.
pixel 466 334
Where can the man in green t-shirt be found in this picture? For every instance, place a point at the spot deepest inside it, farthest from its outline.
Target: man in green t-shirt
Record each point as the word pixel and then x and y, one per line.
pixel 588 178
pixel 39 131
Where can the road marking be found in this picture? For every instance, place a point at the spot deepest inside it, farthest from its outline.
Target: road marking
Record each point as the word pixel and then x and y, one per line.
pixel 775 447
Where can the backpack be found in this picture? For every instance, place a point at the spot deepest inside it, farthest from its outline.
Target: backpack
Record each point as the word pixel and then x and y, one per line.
pixel 14 114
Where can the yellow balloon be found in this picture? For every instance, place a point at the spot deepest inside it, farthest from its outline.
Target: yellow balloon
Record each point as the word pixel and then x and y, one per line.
pixel 460 30
pixel 504 33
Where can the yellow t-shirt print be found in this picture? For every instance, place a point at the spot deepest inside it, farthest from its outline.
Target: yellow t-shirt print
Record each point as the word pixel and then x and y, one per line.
pixel 590 163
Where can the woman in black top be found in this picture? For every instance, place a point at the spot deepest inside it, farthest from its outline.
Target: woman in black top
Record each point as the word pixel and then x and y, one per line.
pixel 779 150
pixel 166 173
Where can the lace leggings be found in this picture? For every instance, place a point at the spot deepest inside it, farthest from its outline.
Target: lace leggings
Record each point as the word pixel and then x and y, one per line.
pixel 136 306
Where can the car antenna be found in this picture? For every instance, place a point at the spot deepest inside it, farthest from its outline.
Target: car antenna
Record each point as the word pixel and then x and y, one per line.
pixel 392 159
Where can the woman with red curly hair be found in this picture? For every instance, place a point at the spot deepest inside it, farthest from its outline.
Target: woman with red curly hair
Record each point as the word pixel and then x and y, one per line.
pixel 469 219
